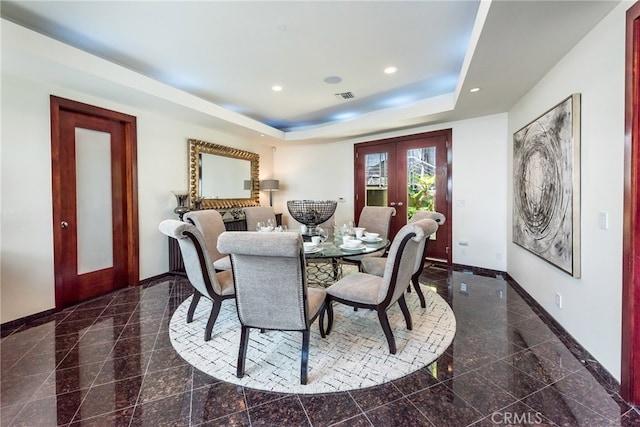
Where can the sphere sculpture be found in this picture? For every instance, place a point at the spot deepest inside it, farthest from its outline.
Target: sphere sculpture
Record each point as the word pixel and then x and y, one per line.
pixel 311 212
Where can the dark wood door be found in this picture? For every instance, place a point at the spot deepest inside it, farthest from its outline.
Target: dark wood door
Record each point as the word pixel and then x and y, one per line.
pixel 94 207
pixel 408 173
pixel 630 367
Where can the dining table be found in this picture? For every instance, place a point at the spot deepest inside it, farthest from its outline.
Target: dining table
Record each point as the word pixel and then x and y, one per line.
pixel 323 261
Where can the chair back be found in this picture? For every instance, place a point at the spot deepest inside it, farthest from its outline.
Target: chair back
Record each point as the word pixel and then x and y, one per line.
pixel 269 277
pixel 439 219
pixel 197 260
pixel 209 222
pixel 400 262
pixel 256 214
pixel 376 219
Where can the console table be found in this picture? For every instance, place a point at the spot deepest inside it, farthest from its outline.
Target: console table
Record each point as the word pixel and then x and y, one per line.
pixel 176 264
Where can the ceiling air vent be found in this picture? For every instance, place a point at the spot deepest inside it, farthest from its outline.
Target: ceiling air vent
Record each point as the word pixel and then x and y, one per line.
pixel 345 95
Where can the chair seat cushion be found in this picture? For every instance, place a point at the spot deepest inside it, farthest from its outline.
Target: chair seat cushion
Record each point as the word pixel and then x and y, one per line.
pixel 225 279
pixel 357 287
pixel 315 299
pixel 222 263
pixel 374 266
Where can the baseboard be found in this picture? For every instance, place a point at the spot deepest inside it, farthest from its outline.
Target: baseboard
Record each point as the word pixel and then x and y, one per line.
pixel 11 326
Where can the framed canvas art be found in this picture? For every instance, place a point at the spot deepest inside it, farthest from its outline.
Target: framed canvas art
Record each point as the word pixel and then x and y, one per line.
pixel 546 186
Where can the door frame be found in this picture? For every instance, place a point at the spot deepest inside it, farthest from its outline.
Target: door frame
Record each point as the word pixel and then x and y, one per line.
pixel 129 197
pixel 630 369
pixel 447 133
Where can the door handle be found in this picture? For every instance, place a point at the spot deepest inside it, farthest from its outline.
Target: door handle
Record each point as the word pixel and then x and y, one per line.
pixel 400 203
pixel 392 204
pixel 64 224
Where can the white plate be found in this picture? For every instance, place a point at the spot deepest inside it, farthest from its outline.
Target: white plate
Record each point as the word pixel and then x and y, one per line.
pixel 313 250
pixel 377 239
pixel 357 248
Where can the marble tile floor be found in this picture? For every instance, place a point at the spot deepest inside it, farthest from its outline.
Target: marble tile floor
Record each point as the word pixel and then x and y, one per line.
pixel 109 362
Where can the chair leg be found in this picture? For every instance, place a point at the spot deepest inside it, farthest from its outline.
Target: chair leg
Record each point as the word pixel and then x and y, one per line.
pixel 305 357
pixel 405 312
pixel 416 286
pixel 192 307
pixel 329 308
pixel 242 353
pixel 323 333
pixel 215 310
pixel 384 322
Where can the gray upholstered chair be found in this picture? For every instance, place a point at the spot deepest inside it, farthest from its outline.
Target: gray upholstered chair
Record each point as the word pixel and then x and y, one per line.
pixel 255 214
pixel 199 267
pixel 376 265
pixel 211 225
pixel 362 290
pixel 271 288
pixel 376 219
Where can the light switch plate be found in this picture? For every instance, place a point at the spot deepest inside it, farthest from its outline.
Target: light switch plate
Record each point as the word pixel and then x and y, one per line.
pixel 603 220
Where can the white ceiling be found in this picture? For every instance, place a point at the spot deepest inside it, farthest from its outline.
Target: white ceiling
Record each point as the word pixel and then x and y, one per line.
pixel 229 54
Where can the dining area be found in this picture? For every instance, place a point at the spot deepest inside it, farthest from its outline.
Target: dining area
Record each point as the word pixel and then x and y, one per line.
pixel 284 278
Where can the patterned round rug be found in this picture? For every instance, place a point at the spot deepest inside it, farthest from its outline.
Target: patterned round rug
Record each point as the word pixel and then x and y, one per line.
pixel 355 354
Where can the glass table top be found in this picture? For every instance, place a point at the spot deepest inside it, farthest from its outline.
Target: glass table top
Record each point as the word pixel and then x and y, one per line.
pixel 333 249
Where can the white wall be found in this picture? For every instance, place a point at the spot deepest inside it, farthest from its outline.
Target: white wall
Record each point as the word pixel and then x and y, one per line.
pixel 314 172
pixel 591 310
pixel 325 171
pixel 27 281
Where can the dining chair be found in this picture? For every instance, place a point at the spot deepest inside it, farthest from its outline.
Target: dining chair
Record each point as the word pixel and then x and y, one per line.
pixel 255 214
pixel 217 287
pixel 376 266
pixel 375 219
pixel 379 293
pixel 211 225
pixel 271 288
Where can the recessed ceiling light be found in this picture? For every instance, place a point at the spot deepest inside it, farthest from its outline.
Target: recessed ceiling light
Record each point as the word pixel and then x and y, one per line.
pixel 474 90
pixel 332 79
pixel 276 88
pixel 390 70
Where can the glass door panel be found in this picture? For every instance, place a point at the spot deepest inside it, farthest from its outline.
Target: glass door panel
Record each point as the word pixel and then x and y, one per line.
pixel 421 181
pixel 93 195
pixel 376 178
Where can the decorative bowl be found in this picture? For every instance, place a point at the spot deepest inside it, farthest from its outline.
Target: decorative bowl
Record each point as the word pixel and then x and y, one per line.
pixel 311 212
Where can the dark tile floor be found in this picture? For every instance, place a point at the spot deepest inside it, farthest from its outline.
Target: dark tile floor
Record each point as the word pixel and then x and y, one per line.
pixel 109 362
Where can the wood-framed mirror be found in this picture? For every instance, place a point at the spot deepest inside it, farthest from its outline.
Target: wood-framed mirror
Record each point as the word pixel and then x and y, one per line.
pixel 222 177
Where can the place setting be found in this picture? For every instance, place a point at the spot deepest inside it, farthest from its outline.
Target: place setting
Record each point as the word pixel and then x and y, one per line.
pixel 356 240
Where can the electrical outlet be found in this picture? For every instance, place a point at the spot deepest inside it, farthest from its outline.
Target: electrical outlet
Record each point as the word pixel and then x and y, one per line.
pixel 558 300
pixel 463 287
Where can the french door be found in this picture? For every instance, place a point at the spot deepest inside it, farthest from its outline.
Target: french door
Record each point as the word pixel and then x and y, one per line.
pixel 408 173
pixel 95 224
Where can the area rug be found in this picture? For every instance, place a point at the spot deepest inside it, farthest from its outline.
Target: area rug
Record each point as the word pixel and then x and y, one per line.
pixel 355 355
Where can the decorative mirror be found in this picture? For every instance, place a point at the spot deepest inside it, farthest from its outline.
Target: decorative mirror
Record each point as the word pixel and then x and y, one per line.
pixel 222 177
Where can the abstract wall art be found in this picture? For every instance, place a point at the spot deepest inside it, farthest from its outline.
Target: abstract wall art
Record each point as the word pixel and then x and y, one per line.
pixel 546 186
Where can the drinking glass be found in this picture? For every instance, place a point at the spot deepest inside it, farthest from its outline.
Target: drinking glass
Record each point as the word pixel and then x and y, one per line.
pixel 322 233
pixel 270 223
pixel 259 226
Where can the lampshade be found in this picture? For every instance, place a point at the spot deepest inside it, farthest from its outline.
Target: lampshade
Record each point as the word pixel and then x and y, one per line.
pixel 270 185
